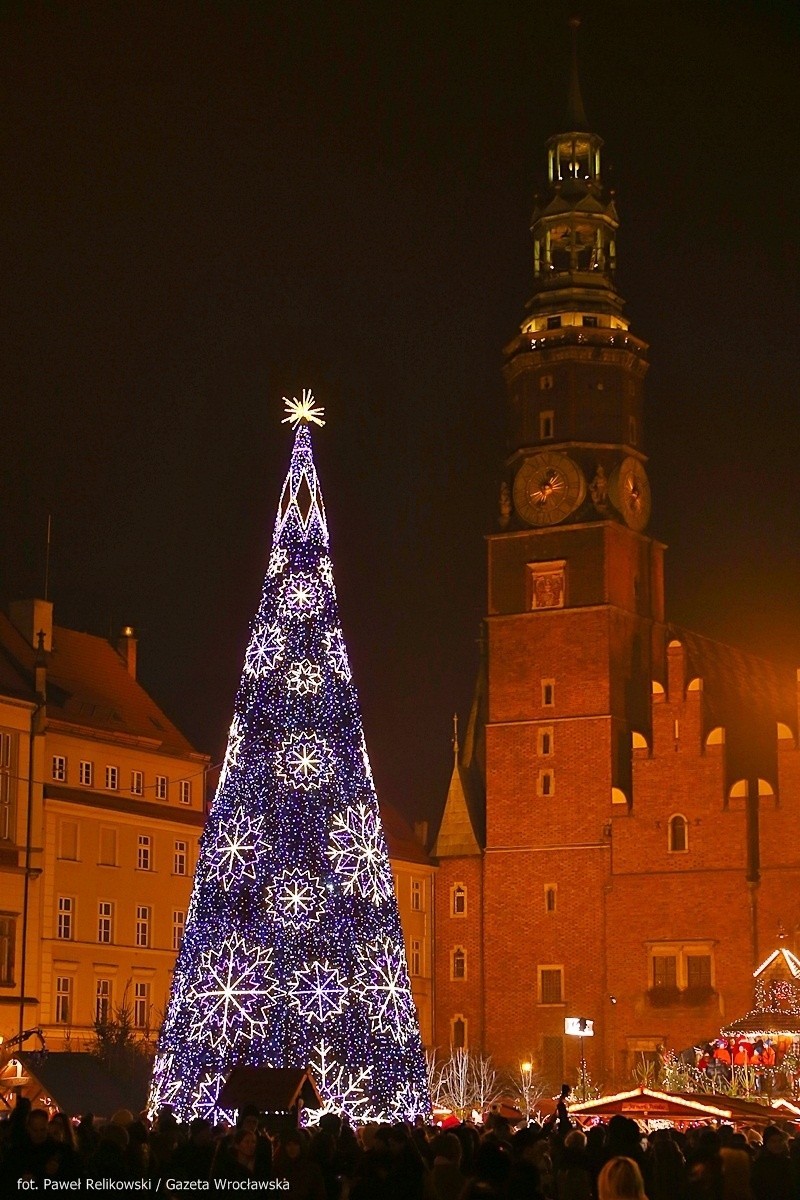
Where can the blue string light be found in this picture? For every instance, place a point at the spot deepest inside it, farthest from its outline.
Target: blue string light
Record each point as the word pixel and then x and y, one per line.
pixel 293 955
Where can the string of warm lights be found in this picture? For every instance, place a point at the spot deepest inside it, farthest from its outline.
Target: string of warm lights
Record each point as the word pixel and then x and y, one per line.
pixel 292 954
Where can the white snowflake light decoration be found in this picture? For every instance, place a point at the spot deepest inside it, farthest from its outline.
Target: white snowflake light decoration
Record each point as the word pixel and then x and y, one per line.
pixel 164 1088
pixel 365 758
pixel 303 410
pixel 239 844
pixel 337 654
pixel 296 898
pixel 318 991
pixel 304 677
pixel 265 650
pixel 305 761
pixel 204 1101
pixel 342 1090
pixel 382 982
pixel 358 852
pixel 235 739
pixel 277 561
pixel 235 989
pixel 326 571
pixel 301 595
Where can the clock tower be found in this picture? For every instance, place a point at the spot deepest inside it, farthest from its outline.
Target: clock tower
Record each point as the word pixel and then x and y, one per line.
pixel 573 609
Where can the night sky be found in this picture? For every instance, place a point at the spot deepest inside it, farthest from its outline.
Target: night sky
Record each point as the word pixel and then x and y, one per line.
pixel 206 206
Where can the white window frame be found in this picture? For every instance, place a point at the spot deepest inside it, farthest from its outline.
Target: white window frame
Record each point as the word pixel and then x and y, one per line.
pixel 180 857
pixel 141 1005
pixel 137 783
pixel 143 920
pixel 112 779
pixel 105 922
pixel 59 768
pixel 144 853
pixel 8 948
pixel 62 1014
pixel 185 791
pixel 415 957
pixel 681 952
pixel 86 773
pixel 161 791
pixel 65 925
pixel 178 927
pixel 102 1001
pixel 417 895
pixel 7 786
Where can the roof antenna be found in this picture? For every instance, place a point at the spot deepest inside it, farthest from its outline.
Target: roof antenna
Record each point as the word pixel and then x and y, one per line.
pixel 47 556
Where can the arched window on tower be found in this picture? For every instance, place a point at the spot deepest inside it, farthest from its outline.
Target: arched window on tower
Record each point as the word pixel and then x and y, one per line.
pixel 678 834
pixel 458 963
pixel 458 900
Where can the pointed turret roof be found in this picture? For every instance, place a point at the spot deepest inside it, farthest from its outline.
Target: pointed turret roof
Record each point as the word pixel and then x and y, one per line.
pixel 456 836
pixel 576 120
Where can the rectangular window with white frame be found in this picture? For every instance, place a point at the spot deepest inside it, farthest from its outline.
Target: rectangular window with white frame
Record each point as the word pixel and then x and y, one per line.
pixel 63 1013
pixel 161 787
pixel 142 925
pixel 137 783
pixel 186 791
pixel 102 1001
pixel 415 958
pixel 178 926
pixel 105 921
pixel 141 1005
pixel 66 916
pixel 144 856
pixel 417 895
pixel 112 779
pixel 551 985
pixel 86 774
pixel 179 858
pixel 59 768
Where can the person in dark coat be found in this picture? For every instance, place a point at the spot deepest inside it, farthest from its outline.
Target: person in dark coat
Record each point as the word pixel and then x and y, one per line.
pixel 773 1176
pixel 292 1162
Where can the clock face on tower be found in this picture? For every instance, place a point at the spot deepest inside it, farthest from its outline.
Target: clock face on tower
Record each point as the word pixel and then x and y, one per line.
pixel 629 489
pixel 548 487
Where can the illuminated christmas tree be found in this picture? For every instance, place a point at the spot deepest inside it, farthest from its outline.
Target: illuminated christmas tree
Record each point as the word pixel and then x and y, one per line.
pixel 293 953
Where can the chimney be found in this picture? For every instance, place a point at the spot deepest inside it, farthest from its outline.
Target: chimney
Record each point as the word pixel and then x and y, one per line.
pixel 126 648
pixel 32 617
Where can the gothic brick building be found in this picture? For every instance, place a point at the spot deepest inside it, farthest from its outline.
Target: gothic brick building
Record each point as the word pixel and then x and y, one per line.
pixel 621 836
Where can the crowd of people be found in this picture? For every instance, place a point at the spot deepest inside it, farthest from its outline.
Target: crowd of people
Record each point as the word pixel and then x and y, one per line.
pixel 550 1161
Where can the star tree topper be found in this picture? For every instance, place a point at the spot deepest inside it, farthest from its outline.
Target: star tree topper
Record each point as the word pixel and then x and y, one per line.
pixel 302 411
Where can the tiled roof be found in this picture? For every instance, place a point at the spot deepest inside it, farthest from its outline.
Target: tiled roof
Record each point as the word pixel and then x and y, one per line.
pixel 88 684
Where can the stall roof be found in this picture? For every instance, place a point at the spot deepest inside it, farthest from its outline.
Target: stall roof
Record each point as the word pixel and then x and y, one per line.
pixel 270 1089
pixel 646 1104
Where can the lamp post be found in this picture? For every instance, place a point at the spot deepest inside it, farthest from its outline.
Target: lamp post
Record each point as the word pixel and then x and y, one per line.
pixel 580 1027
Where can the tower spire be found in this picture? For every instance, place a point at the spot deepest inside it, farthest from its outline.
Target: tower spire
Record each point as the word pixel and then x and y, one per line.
pixel 576 121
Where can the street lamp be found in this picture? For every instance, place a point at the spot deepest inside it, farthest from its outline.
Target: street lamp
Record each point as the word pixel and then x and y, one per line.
pixel 580 1027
